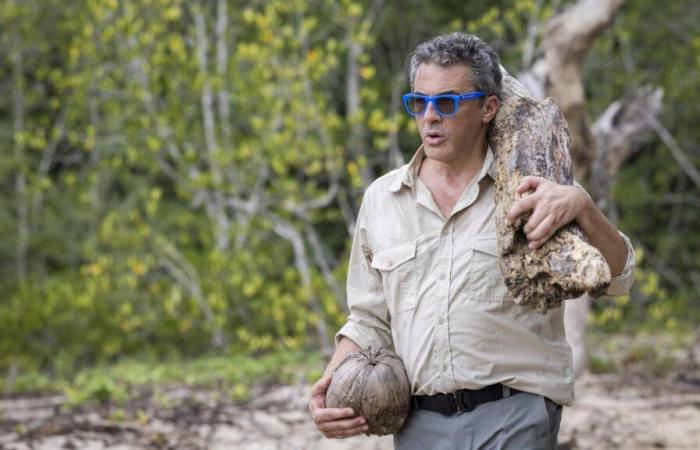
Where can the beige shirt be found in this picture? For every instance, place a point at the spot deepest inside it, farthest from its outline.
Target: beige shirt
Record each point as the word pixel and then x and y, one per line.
pixel 431 288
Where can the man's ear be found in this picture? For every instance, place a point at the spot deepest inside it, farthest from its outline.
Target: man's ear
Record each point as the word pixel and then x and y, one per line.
pixel 489 108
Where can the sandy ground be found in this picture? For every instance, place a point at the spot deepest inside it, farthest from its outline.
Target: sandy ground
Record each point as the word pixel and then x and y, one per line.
pixel 611 412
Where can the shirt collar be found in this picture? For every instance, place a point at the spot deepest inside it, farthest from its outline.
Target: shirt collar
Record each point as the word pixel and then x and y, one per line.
pixel 409 172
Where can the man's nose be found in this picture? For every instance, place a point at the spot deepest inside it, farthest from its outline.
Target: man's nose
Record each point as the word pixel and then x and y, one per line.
pixel 431 114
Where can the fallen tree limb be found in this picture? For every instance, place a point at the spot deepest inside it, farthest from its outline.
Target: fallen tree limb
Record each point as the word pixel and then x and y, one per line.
pixel 530 137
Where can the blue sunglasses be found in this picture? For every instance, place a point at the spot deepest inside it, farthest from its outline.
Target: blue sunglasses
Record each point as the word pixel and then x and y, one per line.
pixel 444 104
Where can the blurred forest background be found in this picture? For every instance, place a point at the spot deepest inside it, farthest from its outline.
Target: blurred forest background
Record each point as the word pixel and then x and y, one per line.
pixel 180 178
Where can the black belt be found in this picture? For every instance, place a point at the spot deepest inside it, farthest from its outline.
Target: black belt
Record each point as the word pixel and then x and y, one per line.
pixel 462 400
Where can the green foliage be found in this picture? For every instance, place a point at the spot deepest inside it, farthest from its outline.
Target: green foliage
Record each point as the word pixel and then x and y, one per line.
pixel 640 351
pixel 175 186
pixel 99 389
pixel 134 241
pixel 114 384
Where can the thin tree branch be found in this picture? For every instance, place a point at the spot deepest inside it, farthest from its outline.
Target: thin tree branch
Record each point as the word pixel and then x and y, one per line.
pixel 285 230
pixel 214 205
pixel 57 133
pixel 187 276
pixel 322 261
pixel 223 97
pixel 18 112
pixel 683 162
pixel 347 211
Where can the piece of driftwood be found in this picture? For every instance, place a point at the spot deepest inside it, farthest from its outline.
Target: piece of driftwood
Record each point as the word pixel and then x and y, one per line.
pixel 530 137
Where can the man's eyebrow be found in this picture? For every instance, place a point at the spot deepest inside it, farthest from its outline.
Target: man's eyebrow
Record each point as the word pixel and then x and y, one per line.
pixel 440 93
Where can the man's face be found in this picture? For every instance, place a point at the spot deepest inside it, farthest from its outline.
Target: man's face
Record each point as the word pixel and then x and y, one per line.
pixel 449 138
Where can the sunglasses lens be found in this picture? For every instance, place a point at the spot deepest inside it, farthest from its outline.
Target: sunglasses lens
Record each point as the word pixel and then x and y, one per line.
pixel 416 104
pixel 446 105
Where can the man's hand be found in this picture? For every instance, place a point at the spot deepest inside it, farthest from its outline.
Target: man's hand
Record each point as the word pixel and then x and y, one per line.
pixel 338 423
pixel 553 206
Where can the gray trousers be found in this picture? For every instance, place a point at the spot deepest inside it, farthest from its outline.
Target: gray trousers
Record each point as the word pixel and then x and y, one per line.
pixel 520 422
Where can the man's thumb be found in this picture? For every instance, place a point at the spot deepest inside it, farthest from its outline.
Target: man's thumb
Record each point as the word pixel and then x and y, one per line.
pixel 321 385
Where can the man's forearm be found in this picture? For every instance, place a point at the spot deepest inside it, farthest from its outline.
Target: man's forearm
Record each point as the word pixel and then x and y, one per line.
pixel 343 349
pixel 604 236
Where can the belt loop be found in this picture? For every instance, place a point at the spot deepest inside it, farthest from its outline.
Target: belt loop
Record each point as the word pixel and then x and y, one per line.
pixel 506 391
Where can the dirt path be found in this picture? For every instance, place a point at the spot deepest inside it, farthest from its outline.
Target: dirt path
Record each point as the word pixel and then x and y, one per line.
pixel 611 412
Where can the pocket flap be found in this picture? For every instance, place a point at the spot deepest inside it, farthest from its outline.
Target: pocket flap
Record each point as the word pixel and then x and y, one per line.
pixel 486 244
pixel 392 257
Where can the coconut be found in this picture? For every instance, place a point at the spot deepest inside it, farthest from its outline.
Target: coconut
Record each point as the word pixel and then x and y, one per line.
pixel 375 385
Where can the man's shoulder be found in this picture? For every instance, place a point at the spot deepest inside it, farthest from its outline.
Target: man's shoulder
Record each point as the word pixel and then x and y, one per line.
pixel 387 183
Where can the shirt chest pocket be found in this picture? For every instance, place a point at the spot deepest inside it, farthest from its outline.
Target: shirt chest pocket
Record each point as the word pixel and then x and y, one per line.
pixel 397 267
pixel 484 280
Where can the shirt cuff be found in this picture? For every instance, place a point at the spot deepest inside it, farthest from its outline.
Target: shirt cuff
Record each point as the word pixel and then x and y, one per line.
pixel 621 284
pixel 364 336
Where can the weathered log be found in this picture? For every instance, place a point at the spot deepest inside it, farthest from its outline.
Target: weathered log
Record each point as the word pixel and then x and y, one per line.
pixel 530 137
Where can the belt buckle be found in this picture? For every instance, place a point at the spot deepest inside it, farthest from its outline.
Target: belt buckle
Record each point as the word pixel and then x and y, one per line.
pixel 460 401
pixel 455 402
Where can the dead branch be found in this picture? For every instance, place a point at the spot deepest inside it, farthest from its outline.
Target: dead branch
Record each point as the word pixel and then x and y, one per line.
pixel 619 133
pixel 530 137
pixel 325 263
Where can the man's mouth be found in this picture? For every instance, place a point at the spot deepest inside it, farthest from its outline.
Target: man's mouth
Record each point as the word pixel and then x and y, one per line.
pixel 434 138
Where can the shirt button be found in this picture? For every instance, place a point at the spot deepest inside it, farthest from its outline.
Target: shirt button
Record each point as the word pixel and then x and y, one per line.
pixel 443 276
pixel 444 367
pixel 441 321
pixel 445 233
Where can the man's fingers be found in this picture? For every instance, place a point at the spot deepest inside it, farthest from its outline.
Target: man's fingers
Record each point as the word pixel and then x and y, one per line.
pixel 541 230
pixel 520 207
pixel 529 183
pixel 533 245
pixel 534 221
pixel 342 424
pixel 317 402
pixel 318 393
pixel 321 415
pixel 347 432
pixel 333 422
pixel 321 386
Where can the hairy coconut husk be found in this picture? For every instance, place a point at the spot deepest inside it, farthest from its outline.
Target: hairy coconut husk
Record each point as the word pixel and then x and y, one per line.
pixel 375 385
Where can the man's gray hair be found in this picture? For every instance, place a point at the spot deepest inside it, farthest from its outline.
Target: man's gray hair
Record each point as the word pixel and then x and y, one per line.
pixel 461 48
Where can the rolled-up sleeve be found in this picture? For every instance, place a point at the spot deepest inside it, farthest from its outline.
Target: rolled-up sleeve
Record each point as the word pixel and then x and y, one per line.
pixel 369 322
pixel 621 284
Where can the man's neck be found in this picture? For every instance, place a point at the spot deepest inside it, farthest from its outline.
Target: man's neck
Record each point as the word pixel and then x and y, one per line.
pixel 447 180
pixel 456 172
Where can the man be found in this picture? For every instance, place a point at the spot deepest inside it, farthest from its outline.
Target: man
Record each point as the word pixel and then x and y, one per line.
pixel 424 275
